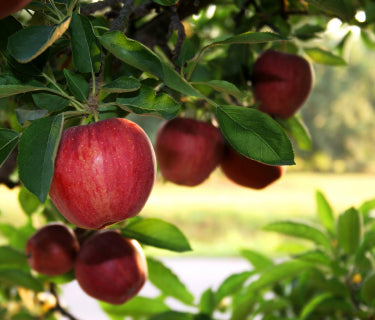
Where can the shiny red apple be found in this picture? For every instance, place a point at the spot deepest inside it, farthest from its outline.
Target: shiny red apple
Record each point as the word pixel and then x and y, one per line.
pixel 247 172
pixel 111 268
pixel 52 249
pixel 8 7
pixel 188 150
pixel 282 82
pixel 104 173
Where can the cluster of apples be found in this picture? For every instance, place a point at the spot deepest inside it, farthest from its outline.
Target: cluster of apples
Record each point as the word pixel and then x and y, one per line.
pixel 188 150
pixel 107 266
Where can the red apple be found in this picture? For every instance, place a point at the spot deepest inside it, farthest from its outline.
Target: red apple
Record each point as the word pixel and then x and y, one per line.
pixel 52 249
pixel 111 268
pixel 188 150
pixel 104 173
pixel 8 7
pixel 282 82
pixel 247 172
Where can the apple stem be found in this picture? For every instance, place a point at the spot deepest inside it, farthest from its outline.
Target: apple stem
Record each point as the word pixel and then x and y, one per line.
pixel 59 308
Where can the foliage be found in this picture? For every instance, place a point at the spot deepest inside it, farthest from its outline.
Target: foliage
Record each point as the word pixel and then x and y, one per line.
pixel 333 279
pixel 68 62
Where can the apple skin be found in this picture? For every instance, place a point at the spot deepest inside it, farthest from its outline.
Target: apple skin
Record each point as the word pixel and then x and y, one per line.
pixel 52 249
pixel 8 7
pixel 282 82
pixel 247 172
pixel 111 268
pixel 104 173
pixel 188 150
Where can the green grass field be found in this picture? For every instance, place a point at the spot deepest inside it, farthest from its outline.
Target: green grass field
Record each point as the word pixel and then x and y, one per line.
pixel 219 217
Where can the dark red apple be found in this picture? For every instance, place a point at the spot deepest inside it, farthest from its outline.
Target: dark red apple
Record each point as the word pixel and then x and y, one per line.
pixel 8 7
pixel 111 268
pixel 104 173
pixel 282 82
pixel 247 172
pixel 52 249
pixel 188 150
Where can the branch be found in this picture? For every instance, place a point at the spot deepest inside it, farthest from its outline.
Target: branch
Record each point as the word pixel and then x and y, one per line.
pixel 121 22
pixel 59 308
pixel 179 27
pixel 98 6
pixel 143 9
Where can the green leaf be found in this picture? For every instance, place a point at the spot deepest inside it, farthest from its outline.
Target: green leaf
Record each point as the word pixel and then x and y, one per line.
pixel 86 48
pixel 325 57
pixel 10 256
pixel 207 302
pixel 366 208
pixel 50 102
pixel 349 230
pixel 167 282
pixel 8 26
pixel 157 233
pixel 7 90
pixel 279 272
pixel 166 2
pixel 145 101
pixel 21 278
pixel 250 38
pixel 325 212
pixel 8 141
pixel 232 284
pixel 311 305
pixel 29 203
pixel 300 230
pixel 60 279
pixel 17 236
pixel 257 260
pixel 28 113
pixel 367 38
pixel 26 44
pixel 77 85
pixel 37 150
pixel 344 9
pixel 308 31
pixel 296 128
pixel 139 56
pixel 122 84
pixel 243 305
pixel 187 52
pixel 268 307
pixel 24 316
pixel 221 86
pixel 368 289
pixel 255 135
pixel 137 306
pixel 316 256
pixel 174 315
pixel 270 276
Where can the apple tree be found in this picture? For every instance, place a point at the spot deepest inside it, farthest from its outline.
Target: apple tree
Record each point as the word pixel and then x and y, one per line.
pixel 228 79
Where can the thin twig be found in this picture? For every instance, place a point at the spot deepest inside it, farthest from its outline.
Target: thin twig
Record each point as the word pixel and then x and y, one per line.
pixel 122 21
pixel 143 9
pixel 177 25
pixel 240 14
pixel 98 6
pixel 59 308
